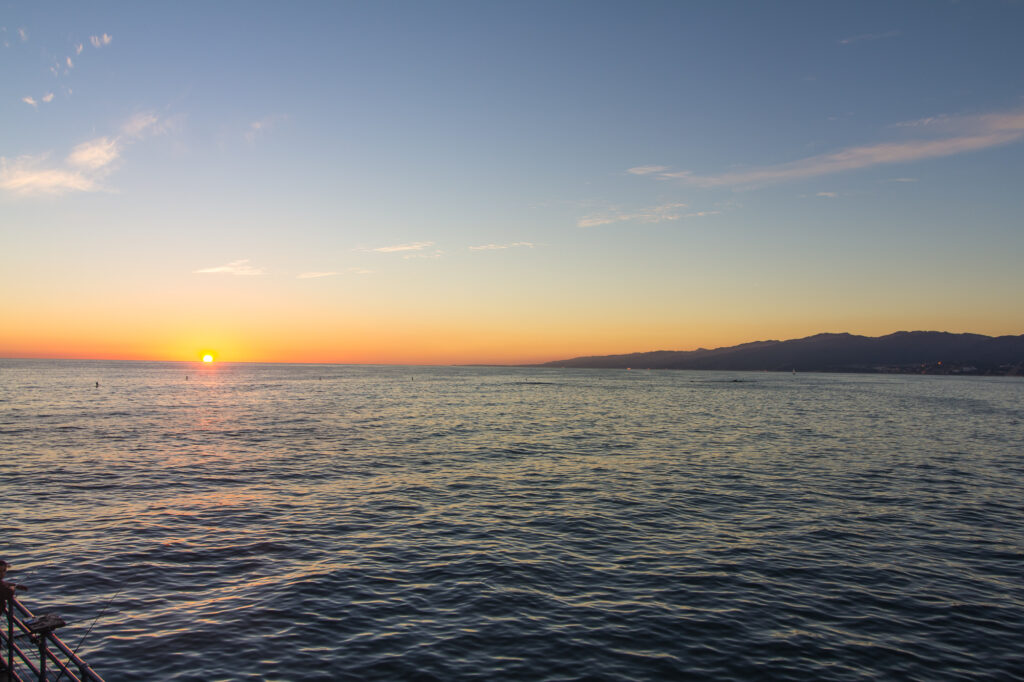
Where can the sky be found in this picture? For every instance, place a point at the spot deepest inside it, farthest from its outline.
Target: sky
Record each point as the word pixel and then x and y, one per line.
pixel 503 182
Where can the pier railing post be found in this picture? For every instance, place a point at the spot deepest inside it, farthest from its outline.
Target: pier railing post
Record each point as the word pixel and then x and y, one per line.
pixel 9 608
pixel 42 658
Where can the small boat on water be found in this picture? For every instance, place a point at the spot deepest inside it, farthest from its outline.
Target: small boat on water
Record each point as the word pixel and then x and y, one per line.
pixel 31 649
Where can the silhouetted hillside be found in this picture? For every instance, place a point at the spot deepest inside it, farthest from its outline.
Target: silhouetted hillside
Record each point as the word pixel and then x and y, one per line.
pixel 917 352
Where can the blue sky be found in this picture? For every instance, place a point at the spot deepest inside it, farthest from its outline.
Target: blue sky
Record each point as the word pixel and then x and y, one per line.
pixel 513 181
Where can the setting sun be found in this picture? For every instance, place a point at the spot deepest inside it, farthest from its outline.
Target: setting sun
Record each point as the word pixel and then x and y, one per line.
pixel 207 358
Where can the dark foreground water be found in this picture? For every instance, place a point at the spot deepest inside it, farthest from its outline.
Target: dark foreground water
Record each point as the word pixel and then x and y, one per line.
pixel 295 522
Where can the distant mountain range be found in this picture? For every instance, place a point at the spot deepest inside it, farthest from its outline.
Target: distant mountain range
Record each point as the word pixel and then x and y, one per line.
pixel 902 352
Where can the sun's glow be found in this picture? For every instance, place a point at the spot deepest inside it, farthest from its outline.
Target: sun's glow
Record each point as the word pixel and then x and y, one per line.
pixel 207 358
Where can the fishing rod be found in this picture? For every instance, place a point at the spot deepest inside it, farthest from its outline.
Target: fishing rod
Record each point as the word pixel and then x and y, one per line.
pixel 95 620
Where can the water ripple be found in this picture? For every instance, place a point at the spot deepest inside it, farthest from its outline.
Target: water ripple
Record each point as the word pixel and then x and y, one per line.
pixel 326 523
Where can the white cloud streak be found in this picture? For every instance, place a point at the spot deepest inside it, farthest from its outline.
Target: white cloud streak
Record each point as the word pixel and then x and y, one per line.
pixel 100 41
pixel 655 214
pixel 959 135
pixel 140 123
pixel 30 101
pixel 70 63
pixel 257 128
pixel 316 275
pixel 23 34
pixel 78 48
pixel 827 195
pixel 254 129
pixel 27 175
pixel 95 154
pixel 647 170
pixel 398 248
pixel 83 169
pixel 239 268
pixel 48 97
pixel 499 247
pixel 436 253
pixel 868 37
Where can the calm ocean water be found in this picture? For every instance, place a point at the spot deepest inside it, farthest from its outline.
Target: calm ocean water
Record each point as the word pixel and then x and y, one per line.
pixel 305 522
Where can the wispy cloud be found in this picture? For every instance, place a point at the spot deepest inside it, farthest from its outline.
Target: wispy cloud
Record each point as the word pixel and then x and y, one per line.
pixel 142 123
pixel 30 101
pixel 414 246
pixel 316 275
pixel 951 135
pixel 83 169
pixel 436 253
pixel 498 247
pixel 95 154
pixel 655 214
pixel 827 195
pixel 237 267
pixel 23 34
pixel 867 37
pixel 103 151
pixel 48 97
pixel 78 48
pixel 902 179
pixel 70 63
pixel 646 170
pixel 28 175
pixel 100 41
pixel 258 128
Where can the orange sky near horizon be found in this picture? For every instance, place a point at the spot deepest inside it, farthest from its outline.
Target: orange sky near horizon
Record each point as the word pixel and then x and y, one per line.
pixel 466 312
pixel 384 340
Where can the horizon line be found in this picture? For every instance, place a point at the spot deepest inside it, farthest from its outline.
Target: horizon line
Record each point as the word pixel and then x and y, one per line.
pixel 490 364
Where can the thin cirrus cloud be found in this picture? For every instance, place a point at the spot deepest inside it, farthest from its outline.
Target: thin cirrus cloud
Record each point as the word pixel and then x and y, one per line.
pixel 655 214
pixel 436 253
pixel 647 170
pixel 100 41
pixel 28 175
pixel 868 37
pixel 258 128
pixel 95 154
pixel 499 247
pixel 399 248
pixel 239 268
pixel 316 275
pixel 83 169
pixel 33 102
pixel 950 135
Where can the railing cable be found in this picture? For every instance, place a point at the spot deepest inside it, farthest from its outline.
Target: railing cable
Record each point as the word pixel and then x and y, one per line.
pixel 95 620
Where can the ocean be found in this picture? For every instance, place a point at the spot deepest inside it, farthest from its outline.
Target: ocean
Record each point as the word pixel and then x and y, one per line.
pixel 331 522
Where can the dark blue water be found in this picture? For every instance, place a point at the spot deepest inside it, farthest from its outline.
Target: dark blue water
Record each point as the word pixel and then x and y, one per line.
pixel 295 522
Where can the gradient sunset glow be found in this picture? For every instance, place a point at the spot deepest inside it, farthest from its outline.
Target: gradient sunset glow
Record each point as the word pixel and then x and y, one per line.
pixel 503 183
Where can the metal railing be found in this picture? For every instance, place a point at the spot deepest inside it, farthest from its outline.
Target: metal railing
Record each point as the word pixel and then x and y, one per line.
pixel 18 664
